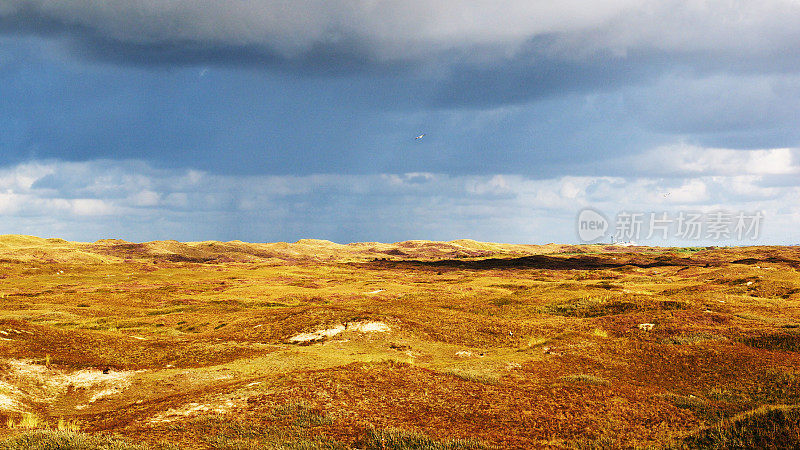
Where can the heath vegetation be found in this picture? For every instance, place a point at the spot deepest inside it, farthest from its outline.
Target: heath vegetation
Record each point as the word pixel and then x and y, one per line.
pixel 418 344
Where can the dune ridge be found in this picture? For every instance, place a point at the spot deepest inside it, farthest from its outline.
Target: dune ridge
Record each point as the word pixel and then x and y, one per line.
pixel 31 248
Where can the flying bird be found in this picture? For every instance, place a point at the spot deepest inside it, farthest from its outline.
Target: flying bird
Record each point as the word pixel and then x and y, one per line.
pixel 420 136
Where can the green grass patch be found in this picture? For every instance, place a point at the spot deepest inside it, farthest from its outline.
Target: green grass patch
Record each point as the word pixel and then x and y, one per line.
pixel 300 415
pixel 585 379
pixel 66 440
pixel 177 309
pixel 726 395
pixel 289 427
pixel 592 306
pixel 781 340
pixel 691 402
pixel 691 338
pixel 474 377
pixel 777 386
pixel 397 439
pixel 510 286
pixel 505 301
pixel 262 304
pixel 688 249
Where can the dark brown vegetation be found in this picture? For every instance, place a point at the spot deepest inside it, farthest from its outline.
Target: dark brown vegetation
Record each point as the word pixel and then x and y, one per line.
pixel 410 345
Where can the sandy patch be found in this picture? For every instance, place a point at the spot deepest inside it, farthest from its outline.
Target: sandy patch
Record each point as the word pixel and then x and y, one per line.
pixel 369 327
pixel 317 335
pixel 10 398
pixel 323 333
pixel 46 384
pixel 192 410
pixel 8 404
pixel 7 332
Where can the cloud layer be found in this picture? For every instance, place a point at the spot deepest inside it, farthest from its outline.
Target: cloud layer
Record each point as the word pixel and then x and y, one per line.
pixel 395 30
pixel 132 200
pixel 287 86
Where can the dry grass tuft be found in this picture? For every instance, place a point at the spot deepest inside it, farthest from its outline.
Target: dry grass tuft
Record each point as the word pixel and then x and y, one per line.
pixel 57 439
pixel 26 420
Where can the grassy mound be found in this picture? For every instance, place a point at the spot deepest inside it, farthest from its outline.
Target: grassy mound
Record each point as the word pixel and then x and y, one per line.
pixel 766 427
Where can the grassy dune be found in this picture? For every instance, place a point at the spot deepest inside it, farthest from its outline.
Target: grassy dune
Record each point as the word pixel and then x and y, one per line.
pixel 416 344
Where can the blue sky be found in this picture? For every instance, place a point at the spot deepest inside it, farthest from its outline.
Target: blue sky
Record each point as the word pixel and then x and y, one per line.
pixel 275 120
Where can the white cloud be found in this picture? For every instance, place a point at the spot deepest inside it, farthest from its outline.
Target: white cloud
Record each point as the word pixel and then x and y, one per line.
pixel 24 175
pixel 145 198
pixel 9 203
pixel 344 208
pixel 91 207
pixel 697 25
pixel 775 161
pixel 685 159
pixel 570 190
pixel 693 191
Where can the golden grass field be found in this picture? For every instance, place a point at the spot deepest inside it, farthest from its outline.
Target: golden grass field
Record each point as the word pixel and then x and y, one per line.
pixel 415 344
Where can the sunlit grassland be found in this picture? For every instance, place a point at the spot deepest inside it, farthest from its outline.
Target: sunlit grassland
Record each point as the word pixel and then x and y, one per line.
pixel 577 349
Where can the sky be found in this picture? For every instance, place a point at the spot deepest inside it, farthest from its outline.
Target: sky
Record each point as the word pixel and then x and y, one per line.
pixel 277 120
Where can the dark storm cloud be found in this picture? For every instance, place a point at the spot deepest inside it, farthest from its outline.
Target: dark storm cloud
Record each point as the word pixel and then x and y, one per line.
pixel 305 86
pixel 538 75
pixel 86 42
pixel 473 54
pixel 363 33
